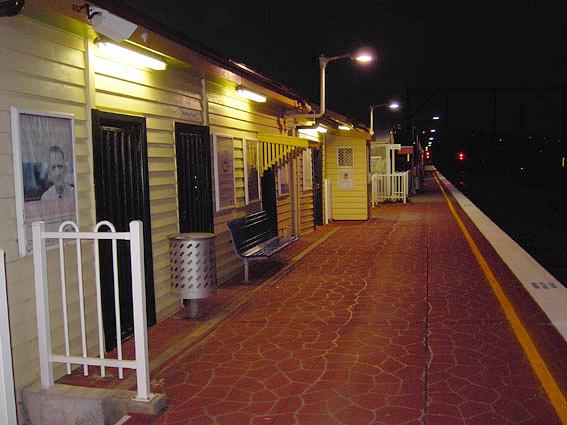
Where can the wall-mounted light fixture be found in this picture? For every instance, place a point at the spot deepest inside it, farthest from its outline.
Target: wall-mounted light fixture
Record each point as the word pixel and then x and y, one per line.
pixel 312 130
pixel 249 94
pixel 130 57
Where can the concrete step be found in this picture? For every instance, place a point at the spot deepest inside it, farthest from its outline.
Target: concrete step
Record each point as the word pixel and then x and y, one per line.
pixel 136 419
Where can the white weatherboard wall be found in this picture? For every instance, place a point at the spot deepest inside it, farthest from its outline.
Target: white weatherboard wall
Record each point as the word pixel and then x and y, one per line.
pixel 163 98
pixel 42 69
pixel 47 69
pixel 231 115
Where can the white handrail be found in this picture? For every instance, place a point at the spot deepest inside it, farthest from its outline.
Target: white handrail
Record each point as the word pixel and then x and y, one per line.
pixel 46 356
pixel 7 396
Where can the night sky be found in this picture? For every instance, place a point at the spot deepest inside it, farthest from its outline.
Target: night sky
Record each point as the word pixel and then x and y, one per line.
pixel 424 49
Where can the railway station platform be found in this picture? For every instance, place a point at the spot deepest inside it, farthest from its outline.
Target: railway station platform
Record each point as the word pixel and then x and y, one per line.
pixel 411 317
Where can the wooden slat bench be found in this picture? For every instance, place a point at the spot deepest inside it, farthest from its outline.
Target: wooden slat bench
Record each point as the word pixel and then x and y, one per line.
pixel 255 238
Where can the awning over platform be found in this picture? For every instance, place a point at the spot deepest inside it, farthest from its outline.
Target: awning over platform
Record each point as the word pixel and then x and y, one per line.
pixel 275 149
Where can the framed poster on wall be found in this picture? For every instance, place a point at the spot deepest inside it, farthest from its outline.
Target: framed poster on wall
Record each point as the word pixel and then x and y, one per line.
pixel 225 193
pixel 44 172
pixel 307 170
pixel 283 179
pixel 251 174
pixel 346 179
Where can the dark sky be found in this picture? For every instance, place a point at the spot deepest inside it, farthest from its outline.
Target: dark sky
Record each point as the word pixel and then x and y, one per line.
pixel 421 45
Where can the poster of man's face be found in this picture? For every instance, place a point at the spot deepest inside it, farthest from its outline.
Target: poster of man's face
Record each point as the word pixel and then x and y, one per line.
pixel 48 171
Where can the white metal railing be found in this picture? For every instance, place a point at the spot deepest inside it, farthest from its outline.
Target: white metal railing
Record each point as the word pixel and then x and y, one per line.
pixel 7 395
pixel 46 356
pixel 390 187
pixel 328 188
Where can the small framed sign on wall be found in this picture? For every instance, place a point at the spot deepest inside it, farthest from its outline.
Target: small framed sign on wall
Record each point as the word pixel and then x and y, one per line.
pixel 44 172
pixel 225 193
pixel 251 174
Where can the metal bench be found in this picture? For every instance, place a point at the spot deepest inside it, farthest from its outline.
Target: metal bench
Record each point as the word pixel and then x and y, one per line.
pixel 255 238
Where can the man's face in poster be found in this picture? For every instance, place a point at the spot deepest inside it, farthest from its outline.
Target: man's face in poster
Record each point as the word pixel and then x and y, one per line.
pixel 57 169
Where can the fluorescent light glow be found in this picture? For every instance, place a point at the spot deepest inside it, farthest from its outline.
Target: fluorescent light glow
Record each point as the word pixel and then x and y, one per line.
pixel 431 138
pixel 364 57
pixel 394 105
pixel 129 57
pixel 432 130
pixel 321 129
pixel 435 117
pixel 250 95
pixel 344 127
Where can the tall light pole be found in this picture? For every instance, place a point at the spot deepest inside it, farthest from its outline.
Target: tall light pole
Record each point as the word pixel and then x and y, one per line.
pixel 392 105
pixel 362 57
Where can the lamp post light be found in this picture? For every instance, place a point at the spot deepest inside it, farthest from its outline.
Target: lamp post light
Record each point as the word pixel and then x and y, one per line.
pixel 363 57
pixel 392 105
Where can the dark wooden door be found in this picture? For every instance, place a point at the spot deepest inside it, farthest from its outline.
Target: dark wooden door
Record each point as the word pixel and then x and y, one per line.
pixel 194 190
pixel 269 197
pixel 317 160
pixel 122 195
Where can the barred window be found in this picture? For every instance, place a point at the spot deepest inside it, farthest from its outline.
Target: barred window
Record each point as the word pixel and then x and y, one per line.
pixel 345 157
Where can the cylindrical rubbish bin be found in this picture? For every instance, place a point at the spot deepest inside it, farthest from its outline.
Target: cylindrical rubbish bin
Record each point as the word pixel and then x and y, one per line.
pixel 193 266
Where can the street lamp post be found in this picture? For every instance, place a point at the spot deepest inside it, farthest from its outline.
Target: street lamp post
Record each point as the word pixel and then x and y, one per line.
pixel 392 105
pixel 323 61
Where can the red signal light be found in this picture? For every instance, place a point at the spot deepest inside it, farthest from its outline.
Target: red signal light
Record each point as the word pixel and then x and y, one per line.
pixel 427 155
pixel 461 156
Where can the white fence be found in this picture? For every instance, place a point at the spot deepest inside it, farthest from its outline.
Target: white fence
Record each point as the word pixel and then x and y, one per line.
pixel 7 396
pixel 390 187
pixel 46 357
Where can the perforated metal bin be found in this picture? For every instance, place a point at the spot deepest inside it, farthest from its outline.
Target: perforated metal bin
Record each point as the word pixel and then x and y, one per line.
pixel 193 265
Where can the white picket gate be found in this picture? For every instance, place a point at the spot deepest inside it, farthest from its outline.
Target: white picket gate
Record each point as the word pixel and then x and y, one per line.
pixel 390 187
pixel 7 395
pixel 46 357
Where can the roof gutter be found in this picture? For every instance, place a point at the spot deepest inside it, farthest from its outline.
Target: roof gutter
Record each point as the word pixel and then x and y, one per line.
pixel 129 13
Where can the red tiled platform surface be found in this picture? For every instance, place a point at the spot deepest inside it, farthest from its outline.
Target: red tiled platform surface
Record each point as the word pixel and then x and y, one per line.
pixel 389 321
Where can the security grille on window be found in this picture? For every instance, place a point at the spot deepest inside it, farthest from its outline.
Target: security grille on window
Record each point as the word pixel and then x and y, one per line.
pixel 345 157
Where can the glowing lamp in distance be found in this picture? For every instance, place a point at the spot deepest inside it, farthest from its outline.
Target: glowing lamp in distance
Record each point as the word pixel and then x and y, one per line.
pixel 363 57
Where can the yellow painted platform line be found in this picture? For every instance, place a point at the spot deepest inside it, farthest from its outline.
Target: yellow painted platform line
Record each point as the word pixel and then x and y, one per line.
pixel 556 397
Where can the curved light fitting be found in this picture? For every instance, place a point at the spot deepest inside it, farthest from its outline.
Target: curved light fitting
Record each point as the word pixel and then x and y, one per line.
pixel 362 56
pixel 128 56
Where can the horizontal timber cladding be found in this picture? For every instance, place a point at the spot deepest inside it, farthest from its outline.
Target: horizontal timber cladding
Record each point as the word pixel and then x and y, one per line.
pixel 43 69
pixel 239 119
pixel 163 97
pixel 306 210
pixel 350 203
